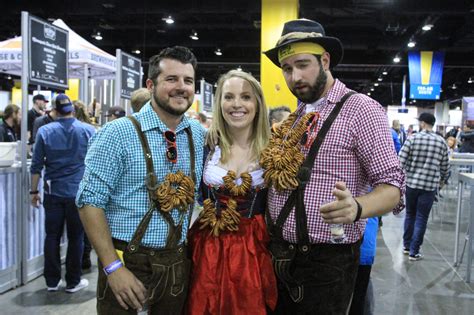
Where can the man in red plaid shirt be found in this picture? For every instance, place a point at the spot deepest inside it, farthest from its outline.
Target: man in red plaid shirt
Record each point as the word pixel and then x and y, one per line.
pixel 315 258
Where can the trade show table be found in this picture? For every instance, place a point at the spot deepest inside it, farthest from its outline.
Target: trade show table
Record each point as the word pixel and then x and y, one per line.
pixel 22 231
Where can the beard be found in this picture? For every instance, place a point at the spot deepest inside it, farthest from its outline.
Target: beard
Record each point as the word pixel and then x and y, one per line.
pixel 316 90
pixel 166 106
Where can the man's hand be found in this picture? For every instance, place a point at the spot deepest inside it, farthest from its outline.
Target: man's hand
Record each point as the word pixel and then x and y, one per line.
pixel 35 200
pixel 343 209
pixel 128 290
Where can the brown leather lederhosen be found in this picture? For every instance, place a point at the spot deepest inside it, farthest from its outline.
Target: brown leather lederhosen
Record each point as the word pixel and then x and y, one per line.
pixel 282 251
pixel 164 272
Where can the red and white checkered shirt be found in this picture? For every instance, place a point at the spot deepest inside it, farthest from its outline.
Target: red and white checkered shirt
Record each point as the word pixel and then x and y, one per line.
pixel 358 150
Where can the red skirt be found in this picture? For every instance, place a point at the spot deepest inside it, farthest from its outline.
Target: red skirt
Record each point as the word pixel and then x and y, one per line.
pixel 232 274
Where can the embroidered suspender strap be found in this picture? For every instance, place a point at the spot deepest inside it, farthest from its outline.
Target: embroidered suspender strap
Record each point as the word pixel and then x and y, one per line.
pixel 174 231
pixel 296 198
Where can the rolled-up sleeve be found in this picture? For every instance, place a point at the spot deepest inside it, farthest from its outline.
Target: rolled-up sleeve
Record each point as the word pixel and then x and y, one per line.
pixel 103 167
pixel 375 149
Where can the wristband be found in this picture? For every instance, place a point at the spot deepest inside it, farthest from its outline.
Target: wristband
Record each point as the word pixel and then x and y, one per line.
pixel 113 266
pixel 34 192
pixel 359 211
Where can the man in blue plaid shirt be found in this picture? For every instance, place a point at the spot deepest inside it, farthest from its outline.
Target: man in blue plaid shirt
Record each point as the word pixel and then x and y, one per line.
pixel 113 196
pixel 424 157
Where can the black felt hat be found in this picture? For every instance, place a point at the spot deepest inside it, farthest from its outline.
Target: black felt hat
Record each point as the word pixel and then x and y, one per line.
pixel 303 30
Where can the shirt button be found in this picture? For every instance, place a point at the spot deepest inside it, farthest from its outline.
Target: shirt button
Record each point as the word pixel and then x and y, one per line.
pixel 291 247
pixel 152 253
pixel 304 248
pixel 132 247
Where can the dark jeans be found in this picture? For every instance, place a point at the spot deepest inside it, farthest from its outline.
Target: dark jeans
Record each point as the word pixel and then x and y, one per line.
pixel 418 207
pixel 328 273
pixel 360 290
pixel 165 274
pixel 57 211
pixel 87 246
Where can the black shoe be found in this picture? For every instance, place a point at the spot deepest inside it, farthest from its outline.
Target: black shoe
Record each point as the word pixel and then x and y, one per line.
pixel 86 261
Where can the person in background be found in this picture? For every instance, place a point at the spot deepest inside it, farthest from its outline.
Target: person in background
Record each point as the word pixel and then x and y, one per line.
pixel 202 118
pixel 277 115
pixel 60 148
pixel 396 140
pixel 95 109
pixel 138 191
pixel 452 145
pixel 467 145
pixel 402 136
pixel 115 112
pixel 320 207
pixel 10 122
pixel 410 131
pixel 232 271
pixel 363 299
pixel 139 98
pixel 50 116
pixel 80 112
pixel 39 106
pixel 424 157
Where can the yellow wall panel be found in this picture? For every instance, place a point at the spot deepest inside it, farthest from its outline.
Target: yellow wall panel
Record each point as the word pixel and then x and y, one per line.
pixel 274 14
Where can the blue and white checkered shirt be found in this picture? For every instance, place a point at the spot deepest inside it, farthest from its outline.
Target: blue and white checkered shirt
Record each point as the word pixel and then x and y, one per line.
pixel 114 179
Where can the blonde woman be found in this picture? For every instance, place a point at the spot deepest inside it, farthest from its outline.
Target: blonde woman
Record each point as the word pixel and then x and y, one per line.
pixel 232 271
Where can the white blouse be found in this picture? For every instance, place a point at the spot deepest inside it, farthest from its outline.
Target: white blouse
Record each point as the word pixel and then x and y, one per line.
pixel 213 173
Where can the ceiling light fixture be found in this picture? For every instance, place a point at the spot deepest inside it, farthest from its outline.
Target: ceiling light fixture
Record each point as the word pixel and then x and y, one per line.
pixel 396 59
pixel 239 68
pixel 380 79
pixel 9 77
pixel 97 36
pixel 218 52
pixel 427 27
pixel 168 20
pixel 454 86
pixel 136 51
pixel 368 93
pixel 194 35
pixel 469 80
pixel 411 44
pixel 385 73
pixel 372 89
pixel 376 84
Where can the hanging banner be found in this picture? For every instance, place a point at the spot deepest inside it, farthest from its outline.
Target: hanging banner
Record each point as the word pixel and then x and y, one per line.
pixel 130 74
pixel 48 54
pixel 426 72
pixel 206 91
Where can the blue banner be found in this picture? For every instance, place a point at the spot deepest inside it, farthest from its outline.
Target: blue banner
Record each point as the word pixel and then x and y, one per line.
pixel 426 73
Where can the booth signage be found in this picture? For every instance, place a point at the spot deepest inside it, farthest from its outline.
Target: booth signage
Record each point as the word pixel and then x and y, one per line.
pixel 206 89
pixel 131 69
pixel 48 54
pixel 426 72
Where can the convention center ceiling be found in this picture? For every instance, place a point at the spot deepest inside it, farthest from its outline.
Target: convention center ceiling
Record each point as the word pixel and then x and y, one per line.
pixel 373 33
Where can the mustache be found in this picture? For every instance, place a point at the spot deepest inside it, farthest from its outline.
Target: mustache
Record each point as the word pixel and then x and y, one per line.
pixel 179 93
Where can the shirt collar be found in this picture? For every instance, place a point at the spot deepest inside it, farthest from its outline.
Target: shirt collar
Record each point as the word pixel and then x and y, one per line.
pixel 149 120
pixel 333 96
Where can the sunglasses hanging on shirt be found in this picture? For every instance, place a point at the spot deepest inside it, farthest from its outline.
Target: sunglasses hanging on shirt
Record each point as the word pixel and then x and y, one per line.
pixel 311 131
pixel 171 148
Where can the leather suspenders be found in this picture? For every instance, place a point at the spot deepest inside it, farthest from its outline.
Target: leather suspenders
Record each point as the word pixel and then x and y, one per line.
pixel 174 231
pixel 296 198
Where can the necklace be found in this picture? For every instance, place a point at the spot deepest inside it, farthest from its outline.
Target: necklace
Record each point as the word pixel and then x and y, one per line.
pixel 283 157
pixel 228 218
pixel 177 191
